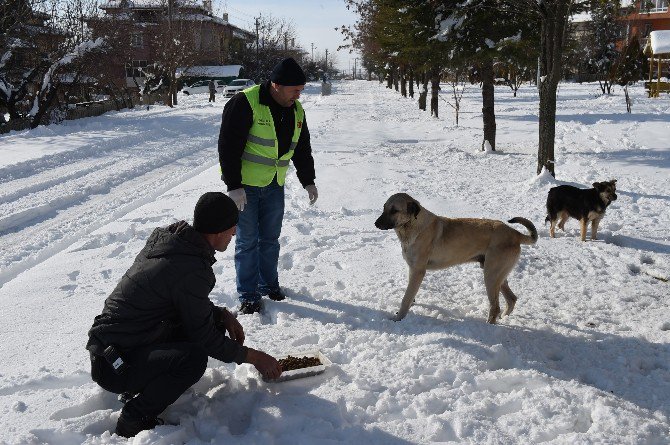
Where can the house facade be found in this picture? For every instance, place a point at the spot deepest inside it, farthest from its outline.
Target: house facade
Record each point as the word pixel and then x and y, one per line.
pixel 208 39
pixel 648 16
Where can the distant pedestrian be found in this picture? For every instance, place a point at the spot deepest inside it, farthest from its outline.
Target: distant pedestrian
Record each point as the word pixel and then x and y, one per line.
pixel 212 91
pixel 263 129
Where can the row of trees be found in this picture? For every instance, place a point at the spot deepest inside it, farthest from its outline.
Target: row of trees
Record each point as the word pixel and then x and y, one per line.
pixel 429 41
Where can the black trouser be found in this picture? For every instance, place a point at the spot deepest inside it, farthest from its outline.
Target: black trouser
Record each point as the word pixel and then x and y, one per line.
pixel 212 97
pixel 159 374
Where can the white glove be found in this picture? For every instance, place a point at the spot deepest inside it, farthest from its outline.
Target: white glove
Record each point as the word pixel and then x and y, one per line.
pixel 239 196
pixel 312 193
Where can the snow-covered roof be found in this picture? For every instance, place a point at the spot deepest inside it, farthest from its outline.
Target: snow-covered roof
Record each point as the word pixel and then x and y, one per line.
pixel 202 18
pixel 660 42
pixel 210 71
pixel 139 4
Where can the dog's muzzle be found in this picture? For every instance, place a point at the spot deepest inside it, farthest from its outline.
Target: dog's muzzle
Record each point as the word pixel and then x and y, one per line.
pixel 384 223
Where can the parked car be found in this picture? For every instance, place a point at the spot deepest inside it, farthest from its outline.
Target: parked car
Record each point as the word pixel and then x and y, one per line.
pixel 236 86
pixel 202 86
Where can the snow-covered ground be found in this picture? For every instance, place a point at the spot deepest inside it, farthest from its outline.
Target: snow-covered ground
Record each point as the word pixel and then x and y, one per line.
pixel 585 357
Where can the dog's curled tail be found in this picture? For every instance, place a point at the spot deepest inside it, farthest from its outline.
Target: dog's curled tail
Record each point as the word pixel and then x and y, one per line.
pixel 525 239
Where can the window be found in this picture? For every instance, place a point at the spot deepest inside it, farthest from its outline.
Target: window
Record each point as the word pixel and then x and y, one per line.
pixel 136 40
pixel 134 69
pixel 651 6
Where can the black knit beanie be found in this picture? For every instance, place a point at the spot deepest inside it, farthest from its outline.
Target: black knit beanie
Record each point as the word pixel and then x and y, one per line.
pixel 288 73
pixel 214 212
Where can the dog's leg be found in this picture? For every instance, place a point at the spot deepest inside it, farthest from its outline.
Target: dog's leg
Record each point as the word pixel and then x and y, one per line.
pixel 552 228
pixel 564 219
pixel 415 279
pixel 583 222
pixel 492 291
pixel 510 298
pixel 496 269
pixel 594 228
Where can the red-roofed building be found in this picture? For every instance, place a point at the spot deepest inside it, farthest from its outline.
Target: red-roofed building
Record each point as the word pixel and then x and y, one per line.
pixel 209 39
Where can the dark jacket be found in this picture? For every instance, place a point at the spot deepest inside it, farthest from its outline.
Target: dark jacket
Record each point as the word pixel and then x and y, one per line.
pixel 235 124
pixel 164 297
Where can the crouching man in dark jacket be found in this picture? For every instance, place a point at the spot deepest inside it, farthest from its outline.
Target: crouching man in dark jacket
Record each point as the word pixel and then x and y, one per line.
pixel 158 327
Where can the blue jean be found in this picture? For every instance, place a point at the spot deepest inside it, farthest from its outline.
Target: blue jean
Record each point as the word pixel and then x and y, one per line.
pixel 257 241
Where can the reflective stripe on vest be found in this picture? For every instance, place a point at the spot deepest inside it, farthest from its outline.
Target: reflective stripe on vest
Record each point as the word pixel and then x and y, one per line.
pixel 260 161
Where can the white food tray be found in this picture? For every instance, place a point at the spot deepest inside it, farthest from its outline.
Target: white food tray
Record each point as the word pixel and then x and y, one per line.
pixel 302 372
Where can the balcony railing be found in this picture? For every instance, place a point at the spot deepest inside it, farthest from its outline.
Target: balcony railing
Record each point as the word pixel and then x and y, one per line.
pixel 652 7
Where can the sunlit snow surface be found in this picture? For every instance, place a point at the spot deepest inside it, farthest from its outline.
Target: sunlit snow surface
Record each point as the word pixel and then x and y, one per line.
pixel 584 358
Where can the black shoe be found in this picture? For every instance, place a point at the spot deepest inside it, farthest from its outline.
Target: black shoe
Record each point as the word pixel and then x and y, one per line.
pixel 129 427
pixel 276 295
pixel 250 307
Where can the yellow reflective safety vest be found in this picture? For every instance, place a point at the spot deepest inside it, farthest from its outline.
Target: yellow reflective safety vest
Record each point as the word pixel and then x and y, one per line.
pixel 260 159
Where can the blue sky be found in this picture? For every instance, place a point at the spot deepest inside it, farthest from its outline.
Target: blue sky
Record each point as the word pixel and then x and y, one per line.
pixel 314 21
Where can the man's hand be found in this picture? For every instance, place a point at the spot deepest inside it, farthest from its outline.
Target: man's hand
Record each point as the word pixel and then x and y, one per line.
pixel 232 326
pixel 267 365
pixel 239 196
pixel 312 192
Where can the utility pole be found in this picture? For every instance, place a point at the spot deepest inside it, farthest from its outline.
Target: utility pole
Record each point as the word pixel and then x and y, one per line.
pixel 326 59
pixel 355 61
pixel 312 51
pixel 257 36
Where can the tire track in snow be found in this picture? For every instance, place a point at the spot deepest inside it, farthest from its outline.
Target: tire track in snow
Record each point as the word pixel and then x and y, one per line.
pixel 62 212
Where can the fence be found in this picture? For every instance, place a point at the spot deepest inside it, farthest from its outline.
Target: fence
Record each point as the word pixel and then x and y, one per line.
pixel 86 109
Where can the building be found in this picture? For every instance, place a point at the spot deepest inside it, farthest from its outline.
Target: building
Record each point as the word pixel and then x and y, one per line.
pixel 139 28
pixel 648 16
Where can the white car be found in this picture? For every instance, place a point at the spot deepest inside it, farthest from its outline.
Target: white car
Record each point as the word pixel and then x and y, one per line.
pixel 236 86
pixel 202 86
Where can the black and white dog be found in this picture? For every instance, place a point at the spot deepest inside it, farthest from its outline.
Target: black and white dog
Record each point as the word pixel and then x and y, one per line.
pixel 585 205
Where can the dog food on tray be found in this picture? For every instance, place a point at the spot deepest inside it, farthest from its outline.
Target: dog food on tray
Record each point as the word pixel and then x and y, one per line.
pixel 290 363
pixel 301 364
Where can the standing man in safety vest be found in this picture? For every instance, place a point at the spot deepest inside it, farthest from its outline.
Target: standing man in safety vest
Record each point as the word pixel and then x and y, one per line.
pixel 263 128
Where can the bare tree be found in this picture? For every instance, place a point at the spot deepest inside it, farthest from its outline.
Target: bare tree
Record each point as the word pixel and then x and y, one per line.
pixel 456 78
pixel 270 46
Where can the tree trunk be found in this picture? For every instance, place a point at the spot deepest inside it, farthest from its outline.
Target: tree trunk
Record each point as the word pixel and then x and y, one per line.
pixel 423 96
pixel 403 82
pixel 44 106
pixel 411 83
pixel 488 104
pixel 553 30
pixel 389 79
pixel 434 92
pixel 545 155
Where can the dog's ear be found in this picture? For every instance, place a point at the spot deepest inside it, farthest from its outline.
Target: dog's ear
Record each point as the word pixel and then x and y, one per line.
pixel 597 185
pixel 413 208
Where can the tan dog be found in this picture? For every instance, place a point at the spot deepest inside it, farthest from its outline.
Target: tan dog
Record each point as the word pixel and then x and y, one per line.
pixel 431 242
